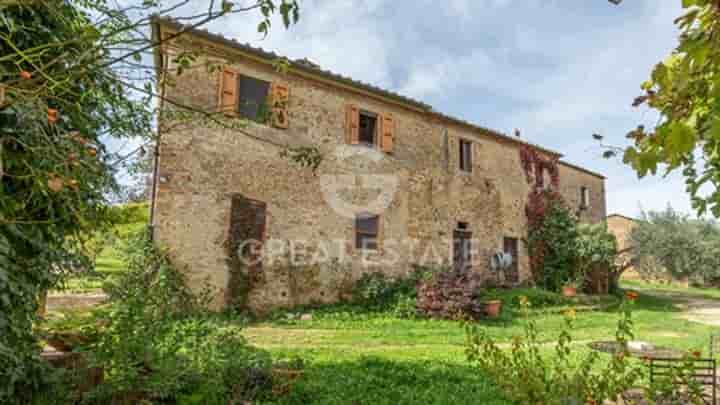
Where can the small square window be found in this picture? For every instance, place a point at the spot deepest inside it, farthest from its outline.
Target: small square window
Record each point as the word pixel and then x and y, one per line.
pixel 368 128
pixel 253 98
pixel 366 232
pixel 465 155
pixel 463 226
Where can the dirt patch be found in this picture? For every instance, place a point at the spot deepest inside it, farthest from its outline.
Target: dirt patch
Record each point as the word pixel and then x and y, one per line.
pixel 62 302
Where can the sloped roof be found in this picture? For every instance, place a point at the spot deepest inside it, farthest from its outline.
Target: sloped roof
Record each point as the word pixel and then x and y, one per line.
pixel 302 65
pixel 622 216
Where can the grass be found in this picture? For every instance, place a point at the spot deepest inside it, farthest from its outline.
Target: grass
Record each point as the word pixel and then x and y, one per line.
pixel 356 356
pixel 698 292
pixel 361 357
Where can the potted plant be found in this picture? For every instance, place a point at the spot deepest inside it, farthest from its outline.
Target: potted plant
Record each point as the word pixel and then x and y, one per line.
pixel 571 286
pixel 492 304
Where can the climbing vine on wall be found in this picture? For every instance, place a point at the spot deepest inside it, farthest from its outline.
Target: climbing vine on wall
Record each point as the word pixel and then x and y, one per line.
pixel 543 201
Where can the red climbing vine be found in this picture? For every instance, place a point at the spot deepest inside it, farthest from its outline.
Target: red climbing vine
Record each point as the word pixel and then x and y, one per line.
pixel 540 199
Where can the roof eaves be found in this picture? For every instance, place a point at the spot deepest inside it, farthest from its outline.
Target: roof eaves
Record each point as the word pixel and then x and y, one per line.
pixel 582 169
pixel 263 54
pixel 622 216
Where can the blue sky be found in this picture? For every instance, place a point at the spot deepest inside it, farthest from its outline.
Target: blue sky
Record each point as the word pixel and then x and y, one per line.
pixel 558 70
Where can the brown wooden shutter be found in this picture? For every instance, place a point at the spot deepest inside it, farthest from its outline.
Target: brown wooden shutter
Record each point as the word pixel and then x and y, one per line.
pixel 279 99
pixel 352 123
pixel 387 132
pixel 228 98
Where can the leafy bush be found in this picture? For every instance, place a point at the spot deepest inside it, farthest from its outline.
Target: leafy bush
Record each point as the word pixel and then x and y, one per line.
pixel 378 292
pixel 160 343
pixel 551 245
pixel 555 379
pixel 450 295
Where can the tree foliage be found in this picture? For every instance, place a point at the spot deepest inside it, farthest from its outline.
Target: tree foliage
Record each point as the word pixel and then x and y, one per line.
pixel 684 247
pixel 72 75
pixel 685 90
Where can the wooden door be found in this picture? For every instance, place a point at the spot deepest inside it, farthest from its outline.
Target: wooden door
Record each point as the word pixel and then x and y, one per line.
pixel 510 247
pixel 462 256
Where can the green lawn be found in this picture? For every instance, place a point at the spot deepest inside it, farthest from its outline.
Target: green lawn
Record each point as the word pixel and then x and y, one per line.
pixel 356 357
pixel 359 357
pixel 699 292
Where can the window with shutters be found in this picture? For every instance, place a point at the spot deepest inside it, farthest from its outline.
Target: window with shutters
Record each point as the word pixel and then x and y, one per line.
pixel 253 98
pixel 367 228
pixel 465 155
pixel 376 130
pixel 368 128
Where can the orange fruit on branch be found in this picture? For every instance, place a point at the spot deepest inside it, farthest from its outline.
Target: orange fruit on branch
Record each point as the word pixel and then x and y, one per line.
pixel 52 115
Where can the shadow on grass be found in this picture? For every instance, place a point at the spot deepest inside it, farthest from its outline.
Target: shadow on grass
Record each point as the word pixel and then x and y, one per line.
pixel 371 380
pixel 648 302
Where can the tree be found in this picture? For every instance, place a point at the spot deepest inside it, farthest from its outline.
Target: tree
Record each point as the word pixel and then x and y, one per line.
pixel 552 240
pixel 684 247
pixel 597 248
pixel 685 90
pixel 72 73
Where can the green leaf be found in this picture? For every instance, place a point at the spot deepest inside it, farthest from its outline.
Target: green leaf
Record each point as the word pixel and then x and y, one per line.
pixel 680 140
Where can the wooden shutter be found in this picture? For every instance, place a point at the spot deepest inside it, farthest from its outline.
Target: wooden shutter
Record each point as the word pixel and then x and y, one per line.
pixel 352 123
pixel 387 132
pixel 228 98
pixel 279 99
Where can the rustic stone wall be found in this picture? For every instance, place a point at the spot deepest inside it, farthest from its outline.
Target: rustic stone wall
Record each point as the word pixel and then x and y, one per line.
pixel 622 227
pixel 203 165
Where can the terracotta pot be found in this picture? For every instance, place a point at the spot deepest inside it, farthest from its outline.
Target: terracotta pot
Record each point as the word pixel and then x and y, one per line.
pixel 569 291
pixel 492 308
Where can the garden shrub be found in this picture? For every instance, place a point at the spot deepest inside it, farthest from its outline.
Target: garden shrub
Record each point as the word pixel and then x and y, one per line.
pixel 552 240
pixel 564 377
pixel 450 295
pixel 160 343
pixel 378 292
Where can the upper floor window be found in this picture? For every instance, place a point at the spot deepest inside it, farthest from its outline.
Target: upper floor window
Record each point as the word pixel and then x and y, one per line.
pixel 368 128
pixel 465 155
pixel 584 197
pixel 253 98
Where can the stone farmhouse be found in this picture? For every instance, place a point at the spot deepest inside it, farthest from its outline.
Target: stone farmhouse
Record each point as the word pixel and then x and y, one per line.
pixel 396 183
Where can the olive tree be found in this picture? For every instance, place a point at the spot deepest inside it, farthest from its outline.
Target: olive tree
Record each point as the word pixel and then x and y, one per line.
pixel 682 246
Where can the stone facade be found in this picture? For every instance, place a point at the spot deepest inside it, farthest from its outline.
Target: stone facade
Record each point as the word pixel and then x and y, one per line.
pixel 621 226
pixel 201 167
